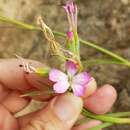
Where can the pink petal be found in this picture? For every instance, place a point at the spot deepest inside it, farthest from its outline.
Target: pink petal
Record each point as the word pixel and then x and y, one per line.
pixel 71 67
pixel 70 35
pixel 57 75
pixel 81 78
pixel 78 90
pixel 69 7
pixel 66 9
pixel 61 87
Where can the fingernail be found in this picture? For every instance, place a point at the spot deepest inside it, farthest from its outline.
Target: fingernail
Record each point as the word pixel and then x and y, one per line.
pixel 37 81
pixel 67 107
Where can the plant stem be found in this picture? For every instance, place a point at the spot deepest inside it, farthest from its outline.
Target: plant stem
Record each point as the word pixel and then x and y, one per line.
pixel 119 114
pixel 103 50
pixel 115 56
pixel 18 23
pixel 35 28
pixel 104 125
pixel 106 118
pixel 102 61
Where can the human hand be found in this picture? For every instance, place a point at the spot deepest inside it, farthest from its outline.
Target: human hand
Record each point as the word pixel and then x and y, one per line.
pixel 61 112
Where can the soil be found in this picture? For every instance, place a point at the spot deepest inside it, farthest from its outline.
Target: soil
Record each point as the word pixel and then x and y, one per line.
pixel 103 22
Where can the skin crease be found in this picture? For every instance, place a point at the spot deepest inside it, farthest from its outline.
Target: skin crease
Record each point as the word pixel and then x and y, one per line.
pixel 13 82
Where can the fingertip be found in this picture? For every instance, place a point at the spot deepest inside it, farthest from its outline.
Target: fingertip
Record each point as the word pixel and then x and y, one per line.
pixel 102 100
pixel 68 107
pixel 111 91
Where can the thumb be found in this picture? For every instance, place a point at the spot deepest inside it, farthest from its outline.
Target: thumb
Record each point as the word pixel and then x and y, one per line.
pixel 60 114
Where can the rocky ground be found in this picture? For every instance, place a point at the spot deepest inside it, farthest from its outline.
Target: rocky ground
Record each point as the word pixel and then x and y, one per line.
pixel 104 22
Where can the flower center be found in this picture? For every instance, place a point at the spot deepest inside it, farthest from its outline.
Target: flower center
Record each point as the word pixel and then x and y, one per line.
pixel 70 79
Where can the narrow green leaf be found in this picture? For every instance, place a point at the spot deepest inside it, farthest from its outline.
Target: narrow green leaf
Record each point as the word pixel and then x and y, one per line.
pixel 37 93
pixel 31 94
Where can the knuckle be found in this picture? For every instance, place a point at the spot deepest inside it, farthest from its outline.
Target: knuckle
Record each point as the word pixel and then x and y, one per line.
pixel 43 125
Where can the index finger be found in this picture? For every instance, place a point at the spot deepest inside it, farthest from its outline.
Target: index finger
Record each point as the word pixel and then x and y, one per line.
pixel 13 76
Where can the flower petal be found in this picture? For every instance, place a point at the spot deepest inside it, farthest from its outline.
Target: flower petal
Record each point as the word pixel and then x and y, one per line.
pixel 70 35
pixel 71 68
pixel 81 78
pixel 61 87
pixel 78 89
pixel 69 7
pixel 57 75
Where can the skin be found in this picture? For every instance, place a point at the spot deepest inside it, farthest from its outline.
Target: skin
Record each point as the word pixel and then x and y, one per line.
pixel 61 112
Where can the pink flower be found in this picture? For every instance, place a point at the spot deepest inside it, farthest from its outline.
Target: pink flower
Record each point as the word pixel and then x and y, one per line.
pixel 72 34
pixel 71 10
pixel 77 82
pixel 70 7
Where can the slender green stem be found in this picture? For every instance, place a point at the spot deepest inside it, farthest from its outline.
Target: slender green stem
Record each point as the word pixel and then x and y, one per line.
pixel 19 23
pixel 103 50
pixel 82 121
pixel 102 61
pixel 119 114
pixel 35 28
pixel 106 124
pixel 106 118
pixel 59 33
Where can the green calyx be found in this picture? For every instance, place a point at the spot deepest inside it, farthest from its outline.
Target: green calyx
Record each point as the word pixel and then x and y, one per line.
pixel 42 71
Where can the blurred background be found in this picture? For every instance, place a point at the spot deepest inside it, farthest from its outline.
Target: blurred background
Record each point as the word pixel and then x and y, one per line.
pixel 104 22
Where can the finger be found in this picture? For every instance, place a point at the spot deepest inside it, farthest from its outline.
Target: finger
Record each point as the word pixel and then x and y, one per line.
pixel 60 114
pixel 12 76
pixel 102 100
pixel 3 92
pixel 8 122
pixel 12 100
pixel 87 125
pixel 14 103
pixel 39 81
pixel 42 84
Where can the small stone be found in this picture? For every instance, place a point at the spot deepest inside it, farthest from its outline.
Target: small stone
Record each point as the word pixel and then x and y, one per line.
pixel 125 2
